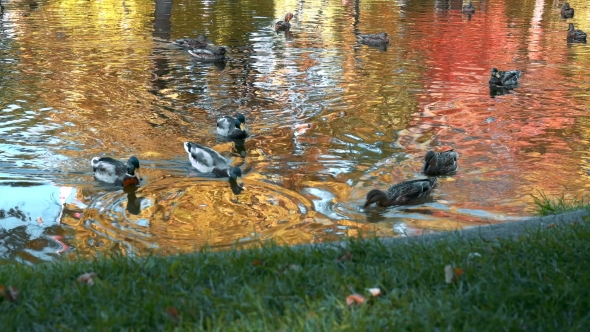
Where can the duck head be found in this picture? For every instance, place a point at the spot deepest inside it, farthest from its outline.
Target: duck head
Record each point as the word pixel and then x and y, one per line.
pixel 376 196
pixel 235 175
pixel 288 17
pixel 570 27
pixel 431 158
pixel 133 166
pixel 242 120
pixel 495 73
pixel 566 5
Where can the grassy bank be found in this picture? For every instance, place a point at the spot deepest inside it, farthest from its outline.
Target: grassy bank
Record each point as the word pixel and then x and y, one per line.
pixel 536 282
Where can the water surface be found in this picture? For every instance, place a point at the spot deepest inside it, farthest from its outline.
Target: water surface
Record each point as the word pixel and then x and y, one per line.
pixel 331 119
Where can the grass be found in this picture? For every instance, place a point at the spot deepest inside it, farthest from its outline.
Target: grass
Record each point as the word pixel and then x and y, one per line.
pixel 536 282
pixel 546 206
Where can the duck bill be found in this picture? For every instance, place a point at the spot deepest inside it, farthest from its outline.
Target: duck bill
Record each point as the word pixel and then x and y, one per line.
pixel 138 174
pixel 240 183
pixel 242 127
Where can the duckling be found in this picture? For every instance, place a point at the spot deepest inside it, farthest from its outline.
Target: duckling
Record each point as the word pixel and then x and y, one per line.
pixel 575 36
pixel 110 170
pixel 407 192
pixel 235 128
pixel 207 160
pixel 439 163
pixel 374 39
pixel 469 9
pixel 509 77
pixel 284 25
pixel 567 11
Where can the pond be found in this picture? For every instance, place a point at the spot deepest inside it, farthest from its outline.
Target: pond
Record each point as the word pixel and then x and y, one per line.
pixel 330 119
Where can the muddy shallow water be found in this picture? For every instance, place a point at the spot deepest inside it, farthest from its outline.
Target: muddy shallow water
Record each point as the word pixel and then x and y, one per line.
pixel 330 119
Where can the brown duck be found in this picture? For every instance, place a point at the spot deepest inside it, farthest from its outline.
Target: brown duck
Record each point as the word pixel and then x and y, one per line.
pixel 407 192
pixel 284 25
pixel 440 163
pixel 567 11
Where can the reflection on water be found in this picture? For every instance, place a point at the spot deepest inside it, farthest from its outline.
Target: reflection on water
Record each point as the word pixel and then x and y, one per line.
pixel 330 119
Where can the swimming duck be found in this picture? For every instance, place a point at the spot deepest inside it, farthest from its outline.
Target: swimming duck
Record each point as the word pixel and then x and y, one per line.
pixel 567 11
pixel 575 36
pixel 209 53
pixel 509 77
pixel 284 25
pixel 406 192
pixel 374 39
pixel 233 127
pixel 439 163
pixel 469 9
pixel 200 42
pixel 207 160
pixel 110 170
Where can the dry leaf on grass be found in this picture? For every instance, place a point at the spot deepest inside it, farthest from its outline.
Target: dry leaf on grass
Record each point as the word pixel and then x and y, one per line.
pixel 355 299
pixel 374 291
pixel 451 274
pixel 550 226
pixel 173 314
pixel 87 278
pixel 346 257
pixel 10 293
pixel 257 262
pixel 458 272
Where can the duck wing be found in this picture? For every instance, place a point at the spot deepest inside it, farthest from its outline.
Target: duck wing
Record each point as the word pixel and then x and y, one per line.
pixel 225 124
pixel 510 77
pixel 205 159
pixel 411 190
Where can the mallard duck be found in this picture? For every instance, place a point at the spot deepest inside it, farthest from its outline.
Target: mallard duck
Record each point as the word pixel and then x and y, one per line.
pixel 567 11
pixel 575 36
pixel 509 77
pixel 284 25
pixel 439 163
pixel 374 39
pixel 209 53
pixel 200 42
pixel 207 160
pixel 233 127
pixel 406 192
pixel 469 9
pixel 110 170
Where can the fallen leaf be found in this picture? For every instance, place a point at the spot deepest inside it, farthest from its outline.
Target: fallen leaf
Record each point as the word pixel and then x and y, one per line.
pixel 86 278
pixel 257 262
pixel 40 220
pixel 458 272
pixel 550 226
pixel 449 274
pixel 355 299
pixel 374 291
pixel 173 314
pixel 346 257
pixel 12 294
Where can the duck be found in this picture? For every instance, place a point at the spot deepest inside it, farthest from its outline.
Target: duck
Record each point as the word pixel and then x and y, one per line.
pixel 407 192
pixel 567 11
pixel 114 171
pixel 440 163
pixel 575 36
pixel 469 9
pixel 209 53
pixel 374 39
pixel 199 42
pixel 509 77
pixel 207 160
pixel 284 25
pixel 231 127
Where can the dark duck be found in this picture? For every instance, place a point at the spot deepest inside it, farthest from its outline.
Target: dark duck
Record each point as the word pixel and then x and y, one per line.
pixel 207 160
pixel 202 48
pixel 114 171
pixel 504 78
pixel 407 192
pixel 575 36
pixel 377 39
pixel 469 9
pixel 440 163
pixel 231 127
pixel 284 25
pixel 567 11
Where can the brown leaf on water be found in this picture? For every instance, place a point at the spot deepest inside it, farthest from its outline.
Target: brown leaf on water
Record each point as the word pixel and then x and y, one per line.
pixel 87 278
pixel 346 257
pixel 353 299
pixel 257 262
pixel 173 314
